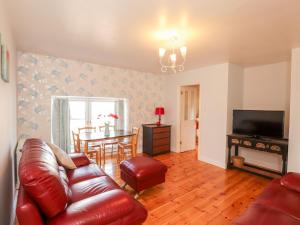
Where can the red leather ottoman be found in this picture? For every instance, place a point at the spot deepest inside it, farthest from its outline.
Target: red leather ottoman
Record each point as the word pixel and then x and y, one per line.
pixel 142 172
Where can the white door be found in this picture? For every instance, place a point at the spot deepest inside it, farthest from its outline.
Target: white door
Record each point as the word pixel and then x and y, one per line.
pixel 188 113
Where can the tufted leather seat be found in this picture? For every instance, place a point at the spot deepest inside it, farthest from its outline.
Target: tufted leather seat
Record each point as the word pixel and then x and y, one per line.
pixel 83 173
pixel 277 205
pixel 143 172
pixel 91 187
pixel 51 194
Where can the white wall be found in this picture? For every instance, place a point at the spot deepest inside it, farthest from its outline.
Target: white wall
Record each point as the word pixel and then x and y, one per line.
pixel 294 136
pixel 7 124
pixel 213 81
pixel 223 88
pixel 235 92
pixel 267 87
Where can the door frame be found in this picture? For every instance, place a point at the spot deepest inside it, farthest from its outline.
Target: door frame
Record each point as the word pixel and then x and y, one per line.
pixel 178 116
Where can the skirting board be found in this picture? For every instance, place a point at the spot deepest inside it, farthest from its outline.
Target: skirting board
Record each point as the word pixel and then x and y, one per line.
pixel 13 218
pixel 213 162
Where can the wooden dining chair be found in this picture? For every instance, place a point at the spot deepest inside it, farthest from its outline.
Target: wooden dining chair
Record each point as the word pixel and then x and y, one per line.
pixel 76 142
pixel 94 151
pixel 129 146
pixel 87 129
pixel 108 144
pixel 111 127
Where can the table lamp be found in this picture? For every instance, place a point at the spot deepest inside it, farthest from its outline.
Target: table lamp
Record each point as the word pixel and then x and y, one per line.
pixel 159 111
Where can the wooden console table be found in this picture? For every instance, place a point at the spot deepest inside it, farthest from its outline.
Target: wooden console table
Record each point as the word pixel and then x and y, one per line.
pixel 274 146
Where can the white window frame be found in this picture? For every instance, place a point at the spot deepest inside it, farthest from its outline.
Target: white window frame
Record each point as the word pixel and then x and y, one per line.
pixel 88 106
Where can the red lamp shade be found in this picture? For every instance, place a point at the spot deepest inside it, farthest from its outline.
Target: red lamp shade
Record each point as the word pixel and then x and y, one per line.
pixel 159 111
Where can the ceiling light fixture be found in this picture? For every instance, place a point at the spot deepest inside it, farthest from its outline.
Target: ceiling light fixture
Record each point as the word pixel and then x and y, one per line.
pixel 173 57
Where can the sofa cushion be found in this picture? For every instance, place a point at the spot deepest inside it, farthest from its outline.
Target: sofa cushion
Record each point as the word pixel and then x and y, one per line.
pixel 62 157
pixel 80 159
pixel 138 215
pixel 63 174
pixel 280 198
pixel 112 207
pixel 65 181
pixel 262 215
pixel 84 173
pixel 291 181
pixel 39 176
pixel 91 187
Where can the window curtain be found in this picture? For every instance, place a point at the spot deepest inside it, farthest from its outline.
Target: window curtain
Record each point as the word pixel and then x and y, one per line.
pixel 120 111
pixel 60 123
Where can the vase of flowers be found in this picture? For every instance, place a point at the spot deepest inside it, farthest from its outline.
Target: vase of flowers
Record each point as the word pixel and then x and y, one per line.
pixel 106 128
pixel 106 120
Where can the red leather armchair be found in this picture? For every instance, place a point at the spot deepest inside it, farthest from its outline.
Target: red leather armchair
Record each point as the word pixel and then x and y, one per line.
pixel 50 194
pixel 277 205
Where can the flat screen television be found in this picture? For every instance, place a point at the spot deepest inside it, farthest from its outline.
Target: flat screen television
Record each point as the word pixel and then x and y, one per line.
pixel 258 123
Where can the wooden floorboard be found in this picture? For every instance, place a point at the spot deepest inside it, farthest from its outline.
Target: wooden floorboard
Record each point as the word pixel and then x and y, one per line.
pixel 196 192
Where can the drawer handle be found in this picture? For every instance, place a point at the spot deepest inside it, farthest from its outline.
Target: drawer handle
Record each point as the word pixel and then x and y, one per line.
pixel 247 143
pixel 235 141
pixel 275 148
pixel 260 145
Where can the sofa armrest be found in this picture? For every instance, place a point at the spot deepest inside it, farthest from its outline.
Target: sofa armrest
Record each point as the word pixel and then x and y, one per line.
pixel 80 159
pixel 103 208
pixel 291 181
pixel 27 211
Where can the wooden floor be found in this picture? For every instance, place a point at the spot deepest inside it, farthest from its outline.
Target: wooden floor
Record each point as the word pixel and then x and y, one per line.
pixel 196 192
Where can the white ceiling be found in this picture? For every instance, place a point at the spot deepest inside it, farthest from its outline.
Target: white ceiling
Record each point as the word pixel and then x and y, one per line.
pixel 121 32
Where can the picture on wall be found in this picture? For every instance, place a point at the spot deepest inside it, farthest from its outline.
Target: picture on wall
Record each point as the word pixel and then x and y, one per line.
pixel 5 63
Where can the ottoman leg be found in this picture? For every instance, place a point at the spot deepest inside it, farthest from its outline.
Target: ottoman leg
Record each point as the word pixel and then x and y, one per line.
pixel 124 185
pixel 138 194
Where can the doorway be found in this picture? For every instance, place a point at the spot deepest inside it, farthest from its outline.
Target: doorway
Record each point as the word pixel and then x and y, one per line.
pixel 189 117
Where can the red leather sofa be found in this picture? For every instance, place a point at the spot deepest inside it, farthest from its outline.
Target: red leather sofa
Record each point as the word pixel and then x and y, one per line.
pixel 279 204
pixel 50 194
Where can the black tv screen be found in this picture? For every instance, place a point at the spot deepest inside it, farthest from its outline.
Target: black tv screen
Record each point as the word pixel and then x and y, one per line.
pixel 258 123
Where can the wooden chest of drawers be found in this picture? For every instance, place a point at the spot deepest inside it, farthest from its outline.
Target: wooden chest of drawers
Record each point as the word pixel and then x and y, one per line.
pixel 156 139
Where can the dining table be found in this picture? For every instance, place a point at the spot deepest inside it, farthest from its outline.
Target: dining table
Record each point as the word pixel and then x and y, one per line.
pixel 99 136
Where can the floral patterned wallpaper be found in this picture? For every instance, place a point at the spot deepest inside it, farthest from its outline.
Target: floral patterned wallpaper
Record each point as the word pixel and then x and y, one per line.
pixel 39 77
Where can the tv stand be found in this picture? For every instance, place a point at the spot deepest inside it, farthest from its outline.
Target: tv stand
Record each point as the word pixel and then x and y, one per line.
pixel 256 137
pixel 273 146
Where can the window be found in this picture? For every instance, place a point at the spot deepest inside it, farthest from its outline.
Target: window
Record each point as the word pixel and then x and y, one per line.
pixel 104 108
pixel 83 112
pixel 77 114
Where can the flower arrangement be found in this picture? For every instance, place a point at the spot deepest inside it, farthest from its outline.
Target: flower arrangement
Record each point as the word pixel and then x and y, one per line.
pixel 106 118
